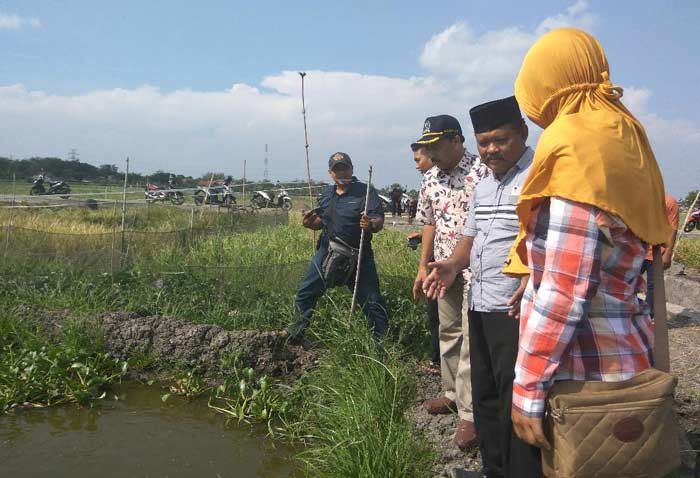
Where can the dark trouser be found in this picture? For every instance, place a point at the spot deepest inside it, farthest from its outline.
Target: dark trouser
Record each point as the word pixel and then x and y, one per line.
pixel 312 287
pixel 493 349
pixel 434 326
pixel 396 207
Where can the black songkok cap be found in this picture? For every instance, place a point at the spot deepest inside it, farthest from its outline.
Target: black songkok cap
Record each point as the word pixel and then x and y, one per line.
pixel 495 114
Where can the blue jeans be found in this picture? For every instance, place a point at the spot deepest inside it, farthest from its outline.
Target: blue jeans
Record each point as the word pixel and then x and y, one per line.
pixel 312 287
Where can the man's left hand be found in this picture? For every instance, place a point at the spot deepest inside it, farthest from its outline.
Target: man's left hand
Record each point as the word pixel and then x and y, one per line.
pixel 514 302
pixel 529 429
pixel 366 223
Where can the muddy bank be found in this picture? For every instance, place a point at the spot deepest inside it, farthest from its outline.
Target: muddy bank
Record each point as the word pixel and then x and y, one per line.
pixel 172 341
pixel 167 342
pixel 439 429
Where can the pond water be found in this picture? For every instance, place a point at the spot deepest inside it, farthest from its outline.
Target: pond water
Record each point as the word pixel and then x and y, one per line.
pixel 136 436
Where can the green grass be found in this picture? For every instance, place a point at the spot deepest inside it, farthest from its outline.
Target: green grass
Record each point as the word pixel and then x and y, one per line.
pixel 352 409
pixel 688 252
pixel 235 279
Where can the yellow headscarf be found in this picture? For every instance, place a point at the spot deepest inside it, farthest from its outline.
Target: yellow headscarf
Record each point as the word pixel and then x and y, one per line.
pixel 592 149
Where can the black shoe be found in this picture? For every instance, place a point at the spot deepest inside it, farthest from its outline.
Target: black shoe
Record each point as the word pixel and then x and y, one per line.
pixel 295 332
pixel 462 473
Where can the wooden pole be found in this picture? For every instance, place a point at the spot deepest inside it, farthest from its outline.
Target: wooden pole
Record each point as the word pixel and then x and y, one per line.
pixel 306 149
pixel 126 178
pixel 12 211
pixel 362 243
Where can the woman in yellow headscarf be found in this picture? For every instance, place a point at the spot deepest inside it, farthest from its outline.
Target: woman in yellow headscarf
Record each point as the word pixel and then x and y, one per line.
pixel 593 200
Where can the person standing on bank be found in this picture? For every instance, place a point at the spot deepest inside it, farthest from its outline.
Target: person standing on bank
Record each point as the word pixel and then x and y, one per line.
pixel 396 197
pixel 673 214
pixel 443 206
pixel 593 201
pixel 423 164
pixel 340 213
pixel 494 298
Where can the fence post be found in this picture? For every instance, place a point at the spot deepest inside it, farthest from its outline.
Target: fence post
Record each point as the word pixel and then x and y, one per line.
pixel 126 177
pixel 111 256
pixel 244 180
pixel 12 211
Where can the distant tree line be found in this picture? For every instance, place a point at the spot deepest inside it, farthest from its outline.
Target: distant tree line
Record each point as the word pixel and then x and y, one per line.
pixel 689 198
pixel 109 174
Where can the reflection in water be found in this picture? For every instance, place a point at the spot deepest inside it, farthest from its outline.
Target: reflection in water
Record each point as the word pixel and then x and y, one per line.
pixel 135 435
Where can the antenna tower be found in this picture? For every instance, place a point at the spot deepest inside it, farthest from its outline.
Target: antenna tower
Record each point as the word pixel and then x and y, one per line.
pixel 73 154
pixel 266 171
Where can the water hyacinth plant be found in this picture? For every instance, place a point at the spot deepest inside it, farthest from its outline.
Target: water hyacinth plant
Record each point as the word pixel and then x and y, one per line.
pixel 37 373
pixel 246 397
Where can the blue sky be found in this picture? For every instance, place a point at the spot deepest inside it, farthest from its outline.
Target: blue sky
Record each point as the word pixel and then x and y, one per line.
pixel 155 80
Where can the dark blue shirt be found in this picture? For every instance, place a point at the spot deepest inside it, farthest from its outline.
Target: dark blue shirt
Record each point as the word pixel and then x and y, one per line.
pixel 347 212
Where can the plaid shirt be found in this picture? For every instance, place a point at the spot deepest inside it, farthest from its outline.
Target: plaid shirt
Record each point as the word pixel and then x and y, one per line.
pixel 580 316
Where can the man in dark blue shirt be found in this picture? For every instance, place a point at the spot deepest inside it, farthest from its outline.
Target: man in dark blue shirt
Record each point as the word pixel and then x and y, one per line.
pixel 340 214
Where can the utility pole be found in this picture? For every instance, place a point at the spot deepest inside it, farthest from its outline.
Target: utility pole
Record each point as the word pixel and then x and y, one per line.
pixel 73 154
pixel 266 170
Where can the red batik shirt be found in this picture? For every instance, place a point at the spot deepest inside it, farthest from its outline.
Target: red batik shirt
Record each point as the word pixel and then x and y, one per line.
pixel 580 316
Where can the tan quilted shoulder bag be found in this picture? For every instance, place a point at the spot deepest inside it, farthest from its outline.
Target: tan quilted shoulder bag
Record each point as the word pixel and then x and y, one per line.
pixel 622 429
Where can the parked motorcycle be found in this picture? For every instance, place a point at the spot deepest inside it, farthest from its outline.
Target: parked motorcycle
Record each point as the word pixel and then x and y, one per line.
pixel 221 195
pixel 154 193
pixel 263 199
pixel 386 202
pixel 55 187
pixel 693 221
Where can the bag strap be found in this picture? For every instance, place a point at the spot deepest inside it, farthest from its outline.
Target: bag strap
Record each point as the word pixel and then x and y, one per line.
pixel 661 356
pixel 331 213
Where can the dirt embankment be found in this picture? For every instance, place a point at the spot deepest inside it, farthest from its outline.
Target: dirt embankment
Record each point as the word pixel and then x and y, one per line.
pixel 167 342
pixel 201 346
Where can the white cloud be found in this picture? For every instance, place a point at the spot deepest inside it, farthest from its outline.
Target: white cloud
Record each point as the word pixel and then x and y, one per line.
pixel 577 15
pixel 373 118
pixel 15 22
pixel 636 99
pixel 674 141
pixel 480 66
pixel 659 128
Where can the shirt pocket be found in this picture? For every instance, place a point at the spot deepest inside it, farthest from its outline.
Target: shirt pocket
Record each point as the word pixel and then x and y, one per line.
pixel 351 210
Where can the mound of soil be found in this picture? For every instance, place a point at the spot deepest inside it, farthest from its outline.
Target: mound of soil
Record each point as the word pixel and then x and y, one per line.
pixel 201 346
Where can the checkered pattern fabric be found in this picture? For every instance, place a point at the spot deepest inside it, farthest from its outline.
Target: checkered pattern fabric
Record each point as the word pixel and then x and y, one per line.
pixel 581 318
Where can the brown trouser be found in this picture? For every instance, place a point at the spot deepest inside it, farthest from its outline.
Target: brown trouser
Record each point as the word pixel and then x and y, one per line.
pixel 454 348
